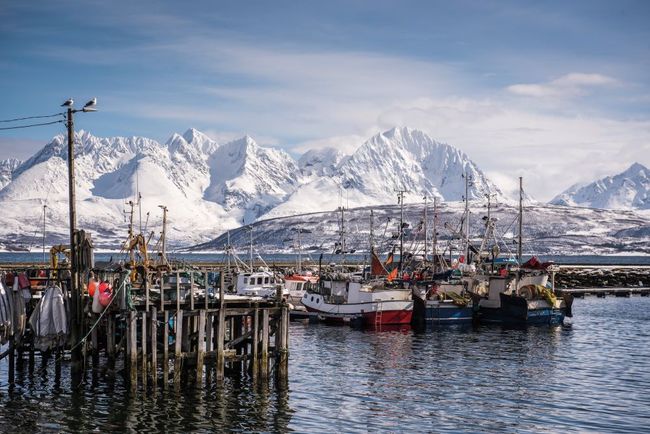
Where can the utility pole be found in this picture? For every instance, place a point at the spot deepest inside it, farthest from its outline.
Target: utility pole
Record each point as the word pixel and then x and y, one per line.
pixel 76 316
pixel 75 311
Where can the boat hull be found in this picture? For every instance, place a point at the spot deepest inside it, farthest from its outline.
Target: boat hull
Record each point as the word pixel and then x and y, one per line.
pixel 427 313
pixel 516 310
pixel 369 314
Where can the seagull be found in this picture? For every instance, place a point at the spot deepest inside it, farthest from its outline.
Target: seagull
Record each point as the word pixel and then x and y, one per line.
pixel 68 103
pixel 91 103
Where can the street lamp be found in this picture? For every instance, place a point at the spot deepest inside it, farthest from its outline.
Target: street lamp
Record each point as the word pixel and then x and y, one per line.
pixel 75 311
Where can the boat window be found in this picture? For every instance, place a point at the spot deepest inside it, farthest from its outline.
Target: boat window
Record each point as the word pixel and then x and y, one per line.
pixel 299 286
pixel 245 279
pixel 259 280
pixel 266 279
pixel 312 298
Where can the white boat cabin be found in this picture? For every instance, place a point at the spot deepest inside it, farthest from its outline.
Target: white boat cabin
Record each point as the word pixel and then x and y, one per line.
pixel 262 283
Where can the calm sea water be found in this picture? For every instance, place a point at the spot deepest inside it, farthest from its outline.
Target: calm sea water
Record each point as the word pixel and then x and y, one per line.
pixel 591 375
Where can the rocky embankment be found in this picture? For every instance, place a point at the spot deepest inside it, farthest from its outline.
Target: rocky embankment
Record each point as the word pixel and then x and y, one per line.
pixel 602 277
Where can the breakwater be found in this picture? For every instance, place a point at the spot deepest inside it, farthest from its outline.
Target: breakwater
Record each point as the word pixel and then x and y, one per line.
pixel 602 276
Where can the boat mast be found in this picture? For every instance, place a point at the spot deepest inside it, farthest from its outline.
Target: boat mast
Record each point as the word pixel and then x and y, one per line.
pixel 250 254
pixel 299 251
pixel 434 254
pixel 44 208
pixel 163 236
pixel 467 180
pixel 425 229
pixel 372 223
pixel 130 237
pixel 521 214
pixel 400 199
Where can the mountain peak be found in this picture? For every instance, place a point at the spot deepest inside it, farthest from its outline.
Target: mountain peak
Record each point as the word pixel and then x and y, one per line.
pixel 629 189
pixel 636 169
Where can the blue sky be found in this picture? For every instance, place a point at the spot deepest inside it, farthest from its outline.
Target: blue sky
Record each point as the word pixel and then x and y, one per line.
pixel 524 88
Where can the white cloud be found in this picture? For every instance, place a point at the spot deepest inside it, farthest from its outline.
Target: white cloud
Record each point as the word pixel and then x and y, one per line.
pixel 571 84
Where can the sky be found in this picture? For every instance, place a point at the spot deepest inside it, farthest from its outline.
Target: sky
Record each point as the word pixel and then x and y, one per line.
pixel 557 92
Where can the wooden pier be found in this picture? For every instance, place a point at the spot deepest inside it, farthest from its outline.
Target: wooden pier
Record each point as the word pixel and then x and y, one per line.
pixel 177 330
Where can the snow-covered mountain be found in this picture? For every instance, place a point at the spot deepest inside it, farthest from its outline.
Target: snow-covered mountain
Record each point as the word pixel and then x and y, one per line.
pixel 406 159
pixel 627 190
pixel 244 175
pixel 209 187
pixel 7 169
pixel 321 162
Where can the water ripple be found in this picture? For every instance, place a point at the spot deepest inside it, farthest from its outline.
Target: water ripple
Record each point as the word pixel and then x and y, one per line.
pixel 592 375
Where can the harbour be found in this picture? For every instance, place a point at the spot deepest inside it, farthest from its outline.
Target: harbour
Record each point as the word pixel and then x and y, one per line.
pixel 325 217
pixel 589 375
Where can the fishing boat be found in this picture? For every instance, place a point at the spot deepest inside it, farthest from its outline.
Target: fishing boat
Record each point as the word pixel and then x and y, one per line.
pixel 295 286
pixel 440 296
pixel 513 293
pixel 369 300
pixel 443 300
pixel 260 283
pixel 348 298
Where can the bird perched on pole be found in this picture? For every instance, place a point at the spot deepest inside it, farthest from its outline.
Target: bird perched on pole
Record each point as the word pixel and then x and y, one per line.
pixel 90 105
pixel 68 103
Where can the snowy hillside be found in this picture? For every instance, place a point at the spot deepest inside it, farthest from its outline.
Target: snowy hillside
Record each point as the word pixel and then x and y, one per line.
pixel 627 190
pixel 548 230
pixel 7 168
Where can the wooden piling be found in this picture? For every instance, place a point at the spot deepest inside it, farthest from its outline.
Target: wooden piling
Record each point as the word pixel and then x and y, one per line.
pixel 177 347
pixel 110 340
pixel 200 353
pixel 255 342
pixel 143 344
pixel 221 335
pixel 165 349
pixel 154 348
pixel 133 351
pixel 264 363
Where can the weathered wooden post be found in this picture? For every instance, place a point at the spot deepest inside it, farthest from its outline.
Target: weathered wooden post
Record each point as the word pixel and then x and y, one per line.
pixel 265 343
pixel 165 349
pixel 255 341
pixel 143 340
pixel 154 348
pixel 200 351
pixel 221 330
pixel 177 348
pixel 133 350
